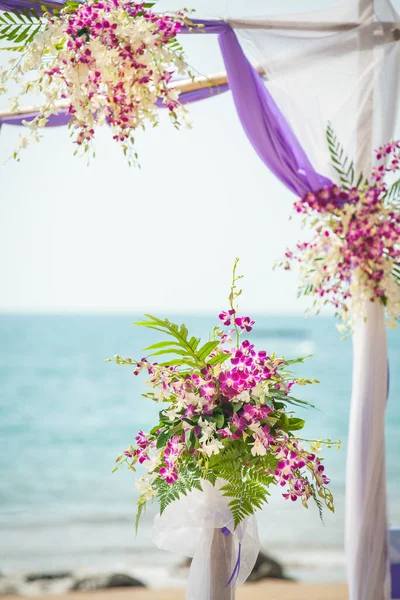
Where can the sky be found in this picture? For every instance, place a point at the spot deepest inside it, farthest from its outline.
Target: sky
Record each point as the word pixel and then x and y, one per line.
pixel 106 237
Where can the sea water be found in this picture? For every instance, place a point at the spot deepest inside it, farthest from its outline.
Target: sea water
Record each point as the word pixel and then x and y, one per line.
pixel 65 415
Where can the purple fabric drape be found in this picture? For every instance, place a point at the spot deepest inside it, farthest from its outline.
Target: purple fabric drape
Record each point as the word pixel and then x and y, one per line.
pixel 27 4
pixel 62 118
pixel 263 122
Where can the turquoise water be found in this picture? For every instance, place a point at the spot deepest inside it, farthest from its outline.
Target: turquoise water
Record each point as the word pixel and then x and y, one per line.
pixel 65 415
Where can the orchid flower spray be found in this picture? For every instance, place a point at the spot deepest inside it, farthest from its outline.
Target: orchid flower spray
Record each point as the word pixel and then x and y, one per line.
pixel 226 413
pixel 101 62
pixel 354 254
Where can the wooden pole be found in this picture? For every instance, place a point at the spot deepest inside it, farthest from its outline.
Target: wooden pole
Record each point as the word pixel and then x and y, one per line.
pixel 303 25
pixel 221 567
pixel 365 120
pixel 187 85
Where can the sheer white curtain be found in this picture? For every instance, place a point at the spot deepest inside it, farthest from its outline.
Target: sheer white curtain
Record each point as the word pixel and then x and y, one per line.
pixel 323 68
pixel 341 66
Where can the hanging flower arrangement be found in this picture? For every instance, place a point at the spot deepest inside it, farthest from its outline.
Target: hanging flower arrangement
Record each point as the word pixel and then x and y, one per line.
pixel 228 415
pixel 354 254
pixel 106 61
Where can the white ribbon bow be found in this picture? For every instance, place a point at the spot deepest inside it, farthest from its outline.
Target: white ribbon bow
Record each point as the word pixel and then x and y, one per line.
pixel 188 526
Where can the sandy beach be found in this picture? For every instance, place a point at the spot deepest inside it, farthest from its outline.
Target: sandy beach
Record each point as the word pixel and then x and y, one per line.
pixel 274 590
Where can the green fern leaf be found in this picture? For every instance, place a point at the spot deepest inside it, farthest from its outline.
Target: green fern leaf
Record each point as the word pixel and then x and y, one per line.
pixel 393 193
pixel 218 359
pixel 340 162
pixel 207 349
pixel 17 27
pixel 317 502
pixel 141 509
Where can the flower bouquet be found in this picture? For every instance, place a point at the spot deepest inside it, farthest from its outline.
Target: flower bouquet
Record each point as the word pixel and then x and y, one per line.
pixel 107 61
pixel 354 255
pixel 226 434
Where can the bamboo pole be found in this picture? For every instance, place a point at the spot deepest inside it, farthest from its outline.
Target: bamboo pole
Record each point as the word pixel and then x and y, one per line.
pixel 187 85
pixel 365 121
pixel 303 25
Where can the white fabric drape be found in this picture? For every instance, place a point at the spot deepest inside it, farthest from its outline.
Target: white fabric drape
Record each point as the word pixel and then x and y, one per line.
pixel 341 66
pixel 366 533
pixel 321 71
pixel 192 526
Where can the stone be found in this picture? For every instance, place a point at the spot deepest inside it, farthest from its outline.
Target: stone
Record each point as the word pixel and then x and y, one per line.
pixel 266 568
pixel 48 576
pixel 102 582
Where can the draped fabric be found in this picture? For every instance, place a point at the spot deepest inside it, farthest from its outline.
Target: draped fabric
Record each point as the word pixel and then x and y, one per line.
pixel 26 4
pixel 261 118
pixel 337 65
pixel 395 561
pixel 366 533
pixel 340 66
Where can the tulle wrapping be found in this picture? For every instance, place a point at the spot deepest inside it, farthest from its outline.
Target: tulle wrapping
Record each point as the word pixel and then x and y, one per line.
pixel 192 526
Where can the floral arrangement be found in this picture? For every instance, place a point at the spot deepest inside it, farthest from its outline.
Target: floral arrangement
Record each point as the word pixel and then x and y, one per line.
pixel 108 61
pixel 354 254
pixel 228 416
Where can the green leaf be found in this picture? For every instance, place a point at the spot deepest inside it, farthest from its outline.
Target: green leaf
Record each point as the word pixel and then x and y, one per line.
pixel 189 479
pixel 190 439
pixel 207 349
pixel 28 15
pixel 32 36
pixel 141 504
pixel 176 362
pixel 9 17
pixel 163 439
pixel 393 192
pixel 296 424
pixel 156 428
pixel 12 48
pixel 180 333
pixel 169 343
pixel 218 359
pixel 340 162
pixel 292 400
pixel 284 422
pixel 279 405
pixel 169 351
pixel 219 421
pixel 19 26
pixel 194 342
pixel 23 36
pixel 237 406
pixel 294 361
pixel 4 31
pixel 14 33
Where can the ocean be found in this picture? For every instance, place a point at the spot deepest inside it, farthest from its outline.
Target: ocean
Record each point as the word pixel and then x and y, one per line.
pixel 65 415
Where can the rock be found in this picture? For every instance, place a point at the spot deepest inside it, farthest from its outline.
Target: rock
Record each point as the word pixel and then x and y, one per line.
pixel 102 582
pixel 47 576
pixel 266 568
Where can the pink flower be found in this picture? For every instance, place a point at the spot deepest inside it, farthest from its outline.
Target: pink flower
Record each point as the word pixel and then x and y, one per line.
pixel 226 317
pixel 208 390
pixel 244 323
pixel 169 474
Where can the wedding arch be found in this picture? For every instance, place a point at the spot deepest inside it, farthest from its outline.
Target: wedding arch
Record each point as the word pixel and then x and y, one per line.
pixel 336 67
